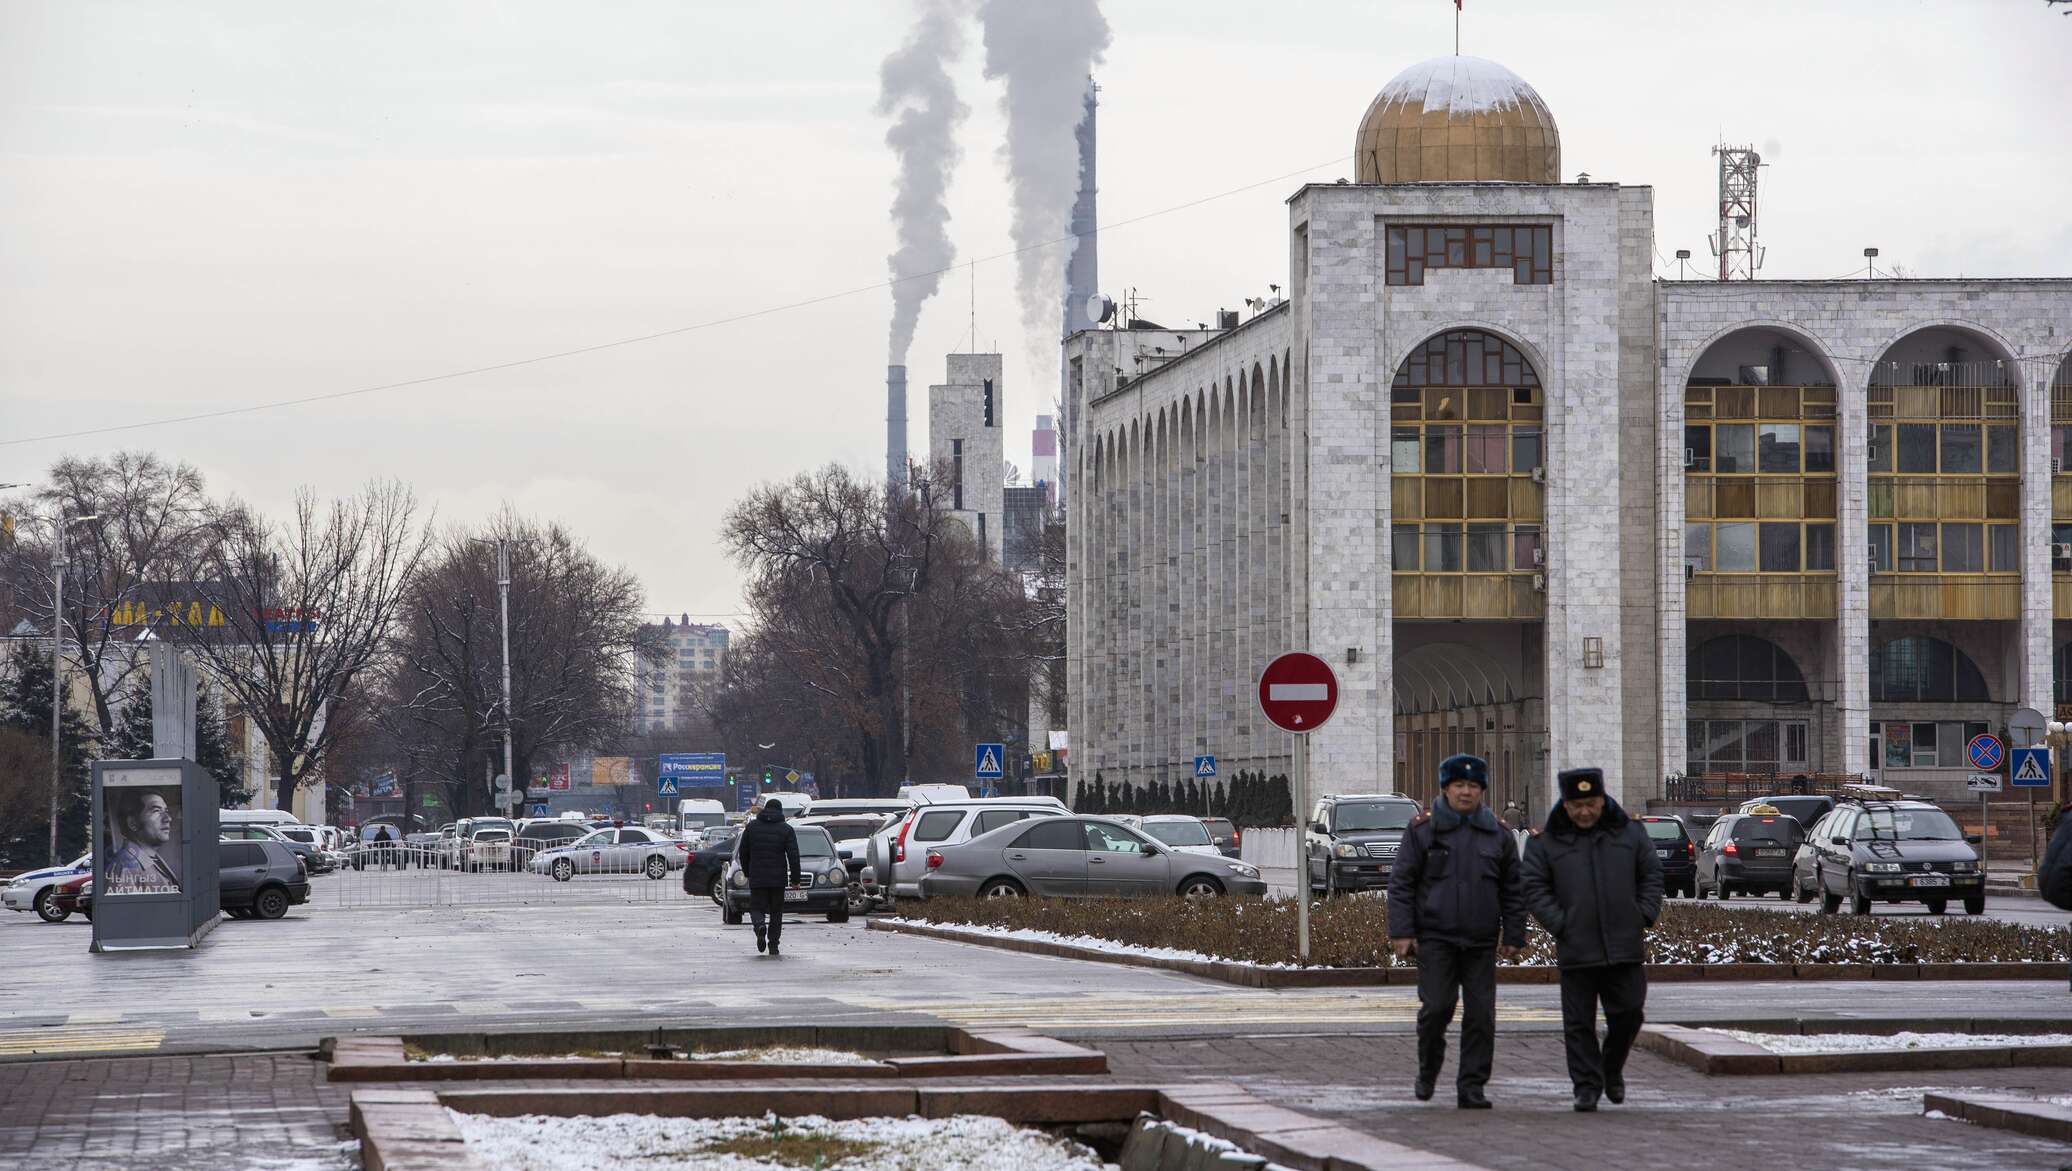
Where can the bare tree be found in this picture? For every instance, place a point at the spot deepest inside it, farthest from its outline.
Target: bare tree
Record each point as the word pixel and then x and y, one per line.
pixel 575 636
pixel 124 568
pixel 308 607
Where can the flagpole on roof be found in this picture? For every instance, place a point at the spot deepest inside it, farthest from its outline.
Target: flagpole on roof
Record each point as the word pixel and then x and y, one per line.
pixel 1456 27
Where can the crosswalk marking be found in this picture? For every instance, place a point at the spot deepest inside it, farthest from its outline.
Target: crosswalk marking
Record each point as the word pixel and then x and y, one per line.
pixel 66 1039
pixel 103 1016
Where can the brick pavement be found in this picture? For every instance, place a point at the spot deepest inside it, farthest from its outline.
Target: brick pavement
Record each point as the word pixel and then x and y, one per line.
pixel 246 1112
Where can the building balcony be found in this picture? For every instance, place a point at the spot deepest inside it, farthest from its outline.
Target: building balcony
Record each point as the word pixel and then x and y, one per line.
pixel 1761 595
pixel 1468 595
pixel 1960 596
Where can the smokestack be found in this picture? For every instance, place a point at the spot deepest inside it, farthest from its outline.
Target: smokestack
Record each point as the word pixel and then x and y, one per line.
pixel 895 426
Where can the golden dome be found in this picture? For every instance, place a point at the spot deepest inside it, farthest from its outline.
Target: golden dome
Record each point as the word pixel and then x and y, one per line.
pixel 1458 120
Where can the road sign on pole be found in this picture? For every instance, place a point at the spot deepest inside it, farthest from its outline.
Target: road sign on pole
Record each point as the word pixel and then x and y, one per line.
pixel 1986 752
pixel 666 787
pixel 989 762
pixel 1204 767
pixel 1983 782
pixel 2031 768
pixel 1298 692
pixel 2025 727
pixel 539 809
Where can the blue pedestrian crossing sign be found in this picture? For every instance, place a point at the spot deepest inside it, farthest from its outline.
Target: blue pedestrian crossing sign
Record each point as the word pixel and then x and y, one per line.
pixel 539 809
pixel 1205 766
pixel 989 762
pixel 2031 768
pixel 667 787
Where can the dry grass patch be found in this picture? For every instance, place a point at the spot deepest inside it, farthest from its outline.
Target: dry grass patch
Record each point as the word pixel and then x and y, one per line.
pixel 1353 932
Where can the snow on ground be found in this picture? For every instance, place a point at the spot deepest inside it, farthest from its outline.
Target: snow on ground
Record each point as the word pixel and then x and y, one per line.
pixel 440 1058
pixel 1091 942
pixel 645 1142
pixel 1787 1043
pixel 785 1054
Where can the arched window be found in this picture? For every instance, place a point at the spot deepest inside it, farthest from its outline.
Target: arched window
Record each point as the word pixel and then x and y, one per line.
pixel 1742 667
pixel 1466 357
pixel 1925 670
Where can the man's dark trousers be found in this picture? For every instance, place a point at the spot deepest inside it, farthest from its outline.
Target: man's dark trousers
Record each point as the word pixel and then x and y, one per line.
pixel 1623 989
pixel 1447 972
pixel 767 900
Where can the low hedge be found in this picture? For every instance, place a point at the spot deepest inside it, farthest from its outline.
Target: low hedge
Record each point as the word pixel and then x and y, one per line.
pixel 1353 932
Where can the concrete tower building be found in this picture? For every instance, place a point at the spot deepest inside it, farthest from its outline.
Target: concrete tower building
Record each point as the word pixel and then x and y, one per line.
pixel 965 443
pixel 1534 503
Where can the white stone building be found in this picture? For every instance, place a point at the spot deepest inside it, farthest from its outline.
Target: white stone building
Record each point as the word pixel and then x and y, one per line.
pixel 965 442
pixel 666 694
pixel 1532 502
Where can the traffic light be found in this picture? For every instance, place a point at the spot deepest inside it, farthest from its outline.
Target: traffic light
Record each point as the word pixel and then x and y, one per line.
pixel 769 775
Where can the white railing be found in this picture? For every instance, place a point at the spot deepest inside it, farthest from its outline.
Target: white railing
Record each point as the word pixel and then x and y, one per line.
pixel 515 873
pixel 1268 848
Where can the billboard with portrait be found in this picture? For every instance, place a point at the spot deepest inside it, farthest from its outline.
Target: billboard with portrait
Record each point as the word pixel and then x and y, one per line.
pixel 608 771
pixel 141 835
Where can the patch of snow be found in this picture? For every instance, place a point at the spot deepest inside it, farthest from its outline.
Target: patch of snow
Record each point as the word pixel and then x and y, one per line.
pixel 646 1142
pixel 1092 943
pixel 442 1058
pixel 1786 1043
pixel 1935 1114
pixel 785 1055
pixel 1463 85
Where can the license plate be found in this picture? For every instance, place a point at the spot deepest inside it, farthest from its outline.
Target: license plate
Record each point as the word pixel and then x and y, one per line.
pixel 1929 880
pixel 1769 853
pixel 795 896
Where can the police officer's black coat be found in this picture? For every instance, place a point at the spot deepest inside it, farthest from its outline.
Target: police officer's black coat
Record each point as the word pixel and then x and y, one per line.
pixel 1596 891
pixel 769 852
pixel 2054 877
pixel 1456 880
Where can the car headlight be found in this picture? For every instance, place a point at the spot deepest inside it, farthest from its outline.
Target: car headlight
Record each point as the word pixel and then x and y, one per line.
pixel 1347 850
pixel 1244 871
pixel 837 876
pixel 737 879
pixel 18 882
pixel 1881 867
pixel 1963 867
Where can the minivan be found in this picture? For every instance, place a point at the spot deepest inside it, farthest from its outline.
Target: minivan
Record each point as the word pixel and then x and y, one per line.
pixel 899 852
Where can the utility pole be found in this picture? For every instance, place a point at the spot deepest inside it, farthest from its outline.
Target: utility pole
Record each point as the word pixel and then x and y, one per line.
pixel 58 565
pixel 503 592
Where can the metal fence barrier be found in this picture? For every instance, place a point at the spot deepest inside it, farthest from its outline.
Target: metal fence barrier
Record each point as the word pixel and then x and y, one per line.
pixel 524 872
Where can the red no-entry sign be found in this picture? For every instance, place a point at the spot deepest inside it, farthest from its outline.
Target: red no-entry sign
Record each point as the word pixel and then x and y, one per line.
pixel 1298 692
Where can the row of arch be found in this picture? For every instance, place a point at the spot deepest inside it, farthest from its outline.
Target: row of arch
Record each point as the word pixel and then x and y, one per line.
pixel 1910 669
pixel 1187 573
pixel 2056 370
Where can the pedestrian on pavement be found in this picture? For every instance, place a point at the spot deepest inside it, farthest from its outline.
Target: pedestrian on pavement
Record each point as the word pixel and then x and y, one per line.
pixel 1456 903
pixel 2054 876
pixel 769 856
pixel 1593 881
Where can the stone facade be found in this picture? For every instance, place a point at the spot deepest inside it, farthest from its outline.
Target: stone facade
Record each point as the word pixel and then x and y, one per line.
pixel 965 442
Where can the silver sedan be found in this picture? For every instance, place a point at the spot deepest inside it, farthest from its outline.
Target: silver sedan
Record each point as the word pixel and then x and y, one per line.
pixel 1079 857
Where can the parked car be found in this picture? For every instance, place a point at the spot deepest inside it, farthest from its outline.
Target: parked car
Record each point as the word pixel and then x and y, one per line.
pixel 1678 852
pixel 704 871
pixel 259 880
pixel 827 881
pixel 1183 833
pixel 72 894
pixel 1807 808
pixel 1891 852
pixel 1075 857
pixel 852 835
pixel 543 833
pixel 624 850
pixel 1748 853
pixel 32 891
pixel 898 852
pixel 1224 833
pixel 1350 841
pixel 316 859
pixel 380 845
pixel 882 807
pixel 488 847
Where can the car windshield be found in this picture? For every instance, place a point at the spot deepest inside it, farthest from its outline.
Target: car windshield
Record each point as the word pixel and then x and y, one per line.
pixel 596 838
pixel 1364 815
pixel 1664 831
pixel 300 835
pixel 1179 833
pixel 492 835
pixel 1908 825
pixel 815 845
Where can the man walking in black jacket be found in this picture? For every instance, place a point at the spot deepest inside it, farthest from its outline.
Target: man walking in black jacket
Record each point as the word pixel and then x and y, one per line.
pixel 1455 901
pixel 1593 881
pixel 769 856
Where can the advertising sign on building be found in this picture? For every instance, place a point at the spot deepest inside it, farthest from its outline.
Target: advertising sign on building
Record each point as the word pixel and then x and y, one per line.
pixel 611 770
pixel 557 780
pixel 694 770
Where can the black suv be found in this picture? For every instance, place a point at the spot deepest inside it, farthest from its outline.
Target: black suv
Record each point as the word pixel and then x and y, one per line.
pixel 1678 853
pixel 1891 852
pixel 1750 853
pixel 1351 841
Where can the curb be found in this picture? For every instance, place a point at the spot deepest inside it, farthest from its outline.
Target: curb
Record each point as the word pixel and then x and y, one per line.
pixel 1715 1055
pixel 1254 976
pixel 2036 1117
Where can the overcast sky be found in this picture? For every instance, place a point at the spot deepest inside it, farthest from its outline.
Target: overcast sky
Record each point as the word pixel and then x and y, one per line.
pixel 210 204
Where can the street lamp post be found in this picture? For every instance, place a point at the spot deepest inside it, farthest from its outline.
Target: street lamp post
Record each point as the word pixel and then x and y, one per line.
pixel 503 595
pixel 58 565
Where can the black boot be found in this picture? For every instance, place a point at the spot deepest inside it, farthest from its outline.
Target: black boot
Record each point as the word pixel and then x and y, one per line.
pixel 1615 1091
pixel 762 941
pixel 1586 1101
pixel 1472 1099
pixel 1423 1088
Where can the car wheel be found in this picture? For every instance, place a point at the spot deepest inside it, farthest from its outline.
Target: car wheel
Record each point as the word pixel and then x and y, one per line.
pixel 839 914
pixel 1330 883
pixel 1937 906
pixel 717 891
pixel 728 915
pixel 359 864
pixel 859 902
pixel 1975 904
pixel 1725 892
pixel 270 903
pixel 1800 891
pixel 49 911
pixel 1002 888
pixel 1859 903
pixel 658 867
pixel 1201 886
pixel 1785 893
pixel 563 870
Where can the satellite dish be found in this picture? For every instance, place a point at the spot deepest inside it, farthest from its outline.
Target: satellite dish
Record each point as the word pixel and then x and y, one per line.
pixel 1100 308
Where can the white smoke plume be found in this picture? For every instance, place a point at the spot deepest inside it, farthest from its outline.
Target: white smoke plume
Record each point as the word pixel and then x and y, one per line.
pixel 1043 53
pixel 915 89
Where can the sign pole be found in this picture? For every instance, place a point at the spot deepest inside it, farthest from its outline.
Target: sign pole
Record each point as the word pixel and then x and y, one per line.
pixel 1985 838
pixel 1301 786
pixel 2034 829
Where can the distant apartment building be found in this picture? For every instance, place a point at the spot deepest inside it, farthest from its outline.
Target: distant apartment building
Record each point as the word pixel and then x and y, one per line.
pixel 1026 510
pixel 667 692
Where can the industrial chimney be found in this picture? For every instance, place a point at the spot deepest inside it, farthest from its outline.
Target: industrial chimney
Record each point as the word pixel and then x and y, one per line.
pixel 895 426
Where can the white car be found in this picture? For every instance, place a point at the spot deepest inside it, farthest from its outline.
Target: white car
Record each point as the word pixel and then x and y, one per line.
pixel 487 848
pixel 1186 835
pixel 32 891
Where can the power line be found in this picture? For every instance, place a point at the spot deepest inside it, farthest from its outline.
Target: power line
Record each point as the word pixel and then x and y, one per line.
pixel 734 319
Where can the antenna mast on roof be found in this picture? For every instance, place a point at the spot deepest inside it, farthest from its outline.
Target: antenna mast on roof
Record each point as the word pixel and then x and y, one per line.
pixel 1735 243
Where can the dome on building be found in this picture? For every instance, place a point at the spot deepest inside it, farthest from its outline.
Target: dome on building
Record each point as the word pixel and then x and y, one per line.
pixel 1458 120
